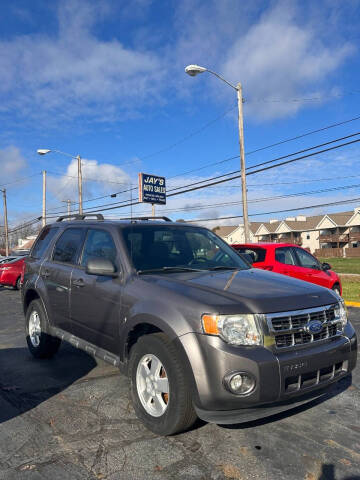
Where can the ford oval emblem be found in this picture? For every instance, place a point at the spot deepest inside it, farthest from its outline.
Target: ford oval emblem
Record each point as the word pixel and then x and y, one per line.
pixel 315 326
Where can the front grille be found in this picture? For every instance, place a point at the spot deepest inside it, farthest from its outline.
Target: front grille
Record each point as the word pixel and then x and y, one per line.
pixel 290 329
pixel 316 377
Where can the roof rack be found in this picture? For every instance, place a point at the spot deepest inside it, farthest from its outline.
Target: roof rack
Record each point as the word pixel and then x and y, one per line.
pixel 77 216
pixel 166 219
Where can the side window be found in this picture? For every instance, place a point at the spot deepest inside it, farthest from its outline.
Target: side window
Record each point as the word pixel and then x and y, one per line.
pixel 257 254
pixel 285 255
pixel 306 260
pixel 68 246
pixel 43 241
pixel 99 244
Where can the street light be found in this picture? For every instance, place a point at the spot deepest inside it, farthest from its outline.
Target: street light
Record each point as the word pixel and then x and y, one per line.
pixel 194 70
pixel 44 151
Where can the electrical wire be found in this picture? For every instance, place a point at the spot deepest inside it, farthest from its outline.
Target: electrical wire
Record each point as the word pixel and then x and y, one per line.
pixel 235 156
pixel 198 187
pixel 329 204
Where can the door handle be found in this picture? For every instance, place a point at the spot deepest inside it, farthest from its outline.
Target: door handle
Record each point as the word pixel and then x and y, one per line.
pixel 45 273
pixel 79 282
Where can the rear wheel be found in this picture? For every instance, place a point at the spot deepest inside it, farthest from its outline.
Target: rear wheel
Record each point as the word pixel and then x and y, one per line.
pixel 160 392
pixel 40 343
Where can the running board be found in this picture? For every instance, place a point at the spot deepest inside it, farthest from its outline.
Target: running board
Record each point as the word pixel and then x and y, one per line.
pixel 87 347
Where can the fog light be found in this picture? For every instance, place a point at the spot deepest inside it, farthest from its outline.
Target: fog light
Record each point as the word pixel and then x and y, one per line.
pixel 239 383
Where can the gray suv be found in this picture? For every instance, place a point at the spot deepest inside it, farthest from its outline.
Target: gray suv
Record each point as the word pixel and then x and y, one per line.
pixel 197 330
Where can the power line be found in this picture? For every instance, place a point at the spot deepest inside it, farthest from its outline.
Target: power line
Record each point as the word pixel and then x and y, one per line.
pixel 341 202
pixel 272 145
pixel 232 157
pixel 20 179
pixel 259 200
pixel 198 187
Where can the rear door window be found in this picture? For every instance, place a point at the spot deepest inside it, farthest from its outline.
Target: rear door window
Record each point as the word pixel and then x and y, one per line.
pixel 68 246
pixel 285 255
pixel 43 241
pixel 257 254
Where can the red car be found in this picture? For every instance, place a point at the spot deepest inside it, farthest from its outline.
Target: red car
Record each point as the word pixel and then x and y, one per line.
pixel 291 260
pixel 11 271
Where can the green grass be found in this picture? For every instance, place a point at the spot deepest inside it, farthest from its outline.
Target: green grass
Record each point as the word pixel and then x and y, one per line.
pixel 351 288
pixel 343 265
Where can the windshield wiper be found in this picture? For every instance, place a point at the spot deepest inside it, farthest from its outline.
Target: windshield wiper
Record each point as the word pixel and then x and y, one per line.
pixel 169 270
pixel 224 267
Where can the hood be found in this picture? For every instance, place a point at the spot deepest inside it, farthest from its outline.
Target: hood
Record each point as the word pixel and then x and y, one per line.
pixel 245 291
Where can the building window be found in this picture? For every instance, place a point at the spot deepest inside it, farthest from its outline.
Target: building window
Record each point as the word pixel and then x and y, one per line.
pixel 308 236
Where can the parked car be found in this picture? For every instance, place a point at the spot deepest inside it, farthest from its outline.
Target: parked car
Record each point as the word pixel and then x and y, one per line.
pixel 6 259
pixel 11 271
pixel 197 330
pixel 291 260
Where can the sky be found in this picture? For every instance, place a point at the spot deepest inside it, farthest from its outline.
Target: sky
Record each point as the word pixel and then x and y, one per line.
pixel 105 80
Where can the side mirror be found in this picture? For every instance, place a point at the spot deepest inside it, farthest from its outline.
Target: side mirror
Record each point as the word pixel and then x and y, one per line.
pixel 101 266
pixel 326 266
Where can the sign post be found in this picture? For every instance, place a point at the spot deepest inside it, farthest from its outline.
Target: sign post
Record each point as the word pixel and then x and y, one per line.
pixel 152 189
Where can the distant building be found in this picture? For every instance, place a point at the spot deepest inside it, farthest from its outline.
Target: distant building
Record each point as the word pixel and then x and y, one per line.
pixel 320 232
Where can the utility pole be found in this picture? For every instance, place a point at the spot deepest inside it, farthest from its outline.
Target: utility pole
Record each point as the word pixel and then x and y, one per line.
pixel 44 199
pixel 242 163
pixel 68 203
pixel 80 184
pixel 6 224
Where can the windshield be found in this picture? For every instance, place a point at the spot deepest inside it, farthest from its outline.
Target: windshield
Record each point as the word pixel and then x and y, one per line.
pixel 168 249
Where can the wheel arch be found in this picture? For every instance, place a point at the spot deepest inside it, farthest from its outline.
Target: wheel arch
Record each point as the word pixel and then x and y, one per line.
pixel 146 326
pixel 30 295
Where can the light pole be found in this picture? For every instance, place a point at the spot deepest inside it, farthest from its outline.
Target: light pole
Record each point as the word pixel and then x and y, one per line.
pixel 194 70
pixel 6 224
pixel 44 151
pixel 44 199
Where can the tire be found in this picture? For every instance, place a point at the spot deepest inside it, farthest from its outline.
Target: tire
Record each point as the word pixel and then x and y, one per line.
pixel 168 412
pixel 40 343
pixel 336 289
pixel 18 284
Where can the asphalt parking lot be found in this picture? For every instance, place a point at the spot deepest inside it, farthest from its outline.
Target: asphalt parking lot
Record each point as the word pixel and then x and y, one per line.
pixel 70 417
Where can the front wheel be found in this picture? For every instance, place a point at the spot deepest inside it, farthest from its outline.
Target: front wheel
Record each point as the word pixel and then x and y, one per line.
pixel 40 343
pixel 18 284
pixel 336 289
pixel 160 392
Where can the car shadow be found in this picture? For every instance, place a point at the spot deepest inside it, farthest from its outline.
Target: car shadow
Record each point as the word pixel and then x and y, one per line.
pixel 335 390
pixel 25 382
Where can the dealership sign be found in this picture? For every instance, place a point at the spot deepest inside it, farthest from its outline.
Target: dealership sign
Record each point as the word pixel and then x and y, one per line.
pixel 152 189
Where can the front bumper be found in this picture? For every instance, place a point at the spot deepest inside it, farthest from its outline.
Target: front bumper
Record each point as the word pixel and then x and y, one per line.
pixel 283 379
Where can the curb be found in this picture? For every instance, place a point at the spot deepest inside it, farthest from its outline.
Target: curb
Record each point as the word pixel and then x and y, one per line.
pixel 352 304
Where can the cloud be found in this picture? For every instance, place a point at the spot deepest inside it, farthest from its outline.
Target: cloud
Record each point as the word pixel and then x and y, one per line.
pixel 11 163
pixel 98 179
pixel 74 72
pixel 279 54
pixel 280 59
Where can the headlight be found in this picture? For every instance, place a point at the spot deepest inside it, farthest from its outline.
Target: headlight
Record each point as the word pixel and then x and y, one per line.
pixel 234 329
pixel 341 313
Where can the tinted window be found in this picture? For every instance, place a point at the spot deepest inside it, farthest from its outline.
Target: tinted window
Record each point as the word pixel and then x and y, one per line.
pixel 158 246
pixel 43 241
pixel 98 244
pixel 257 254
pixel 68 246
pixel 306 260
pixel 285 255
